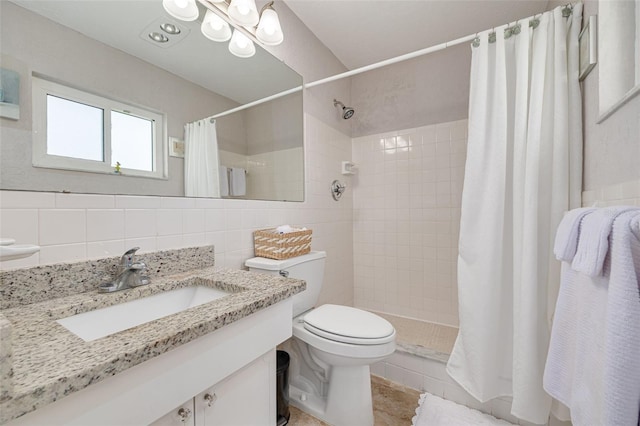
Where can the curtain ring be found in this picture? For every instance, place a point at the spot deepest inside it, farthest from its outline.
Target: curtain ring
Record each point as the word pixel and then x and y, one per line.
pixel 516 28
pixel 476 41
pixel 508 32
pixel 492 35
pixel 534 22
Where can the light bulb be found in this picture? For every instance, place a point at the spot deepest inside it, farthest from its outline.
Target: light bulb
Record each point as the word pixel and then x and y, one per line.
pixel 185 10
pixel 243 9
pixel 244 13
pixel 241 46
pixel 269 31
pixel 215 28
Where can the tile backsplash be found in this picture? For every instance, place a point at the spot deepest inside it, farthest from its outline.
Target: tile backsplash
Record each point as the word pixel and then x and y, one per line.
pixel 626 193
pixel 76 227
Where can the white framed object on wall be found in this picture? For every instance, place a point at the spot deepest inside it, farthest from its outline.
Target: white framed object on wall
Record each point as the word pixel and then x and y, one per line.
pixel 588 47
pixel 176 148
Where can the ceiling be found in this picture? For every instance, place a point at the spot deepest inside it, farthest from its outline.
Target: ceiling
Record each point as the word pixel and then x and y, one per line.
pixel 363 32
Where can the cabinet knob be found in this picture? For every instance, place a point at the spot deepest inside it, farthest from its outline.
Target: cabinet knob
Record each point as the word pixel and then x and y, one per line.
pixel 184 414
pixel 210 399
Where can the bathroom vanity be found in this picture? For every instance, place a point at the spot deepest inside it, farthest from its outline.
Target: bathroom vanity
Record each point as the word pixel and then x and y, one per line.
pixel 203 365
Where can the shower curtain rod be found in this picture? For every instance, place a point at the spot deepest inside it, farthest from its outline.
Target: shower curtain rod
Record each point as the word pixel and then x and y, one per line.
pixel 254 103
pixel 567 10
pixel 350 73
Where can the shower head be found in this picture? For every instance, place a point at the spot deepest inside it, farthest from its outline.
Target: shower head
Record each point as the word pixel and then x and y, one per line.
pixel 347 112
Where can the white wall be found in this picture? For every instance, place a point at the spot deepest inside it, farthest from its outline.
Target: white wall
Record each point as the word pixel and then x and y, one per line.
pixel 427 90
pixel 303 52
pixel 611 148
pixel 407 197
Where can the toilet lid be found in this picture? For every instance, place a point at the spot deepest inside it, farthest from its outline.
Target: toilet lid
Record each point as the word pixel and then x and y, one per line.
pixel 349 325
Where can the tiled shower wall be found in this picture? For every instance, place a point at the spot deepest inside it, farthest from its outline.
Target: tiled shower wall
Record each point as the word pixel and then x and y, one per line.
pixel 407 196
pixel 74 227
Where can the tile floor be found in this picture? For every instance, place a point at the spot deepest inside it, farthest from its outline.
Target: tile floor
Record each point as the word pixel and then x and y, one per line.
pixel 393 405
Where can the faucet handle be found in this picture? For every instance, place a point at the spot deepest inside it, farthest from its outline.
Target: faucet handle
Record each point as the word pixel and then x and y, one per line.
pixel 127 258
pixel 138 266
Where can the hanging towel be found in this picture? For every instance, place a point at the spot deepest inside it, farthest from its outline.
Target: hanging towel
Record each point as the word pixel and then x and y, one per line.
pixel 238 182
pixel 566 241
pixel 593 365
pixel 574 369
pixel 224 181
pixel 594 239
pixel 622 344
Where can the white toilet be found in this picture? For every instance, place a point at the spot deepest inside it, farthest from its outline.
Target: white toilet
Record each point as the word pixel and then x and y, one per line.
pixel 332 347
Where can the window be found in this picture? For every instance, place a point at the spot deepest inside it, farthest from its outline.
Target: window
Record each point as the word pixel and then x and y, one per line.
pixel 76 130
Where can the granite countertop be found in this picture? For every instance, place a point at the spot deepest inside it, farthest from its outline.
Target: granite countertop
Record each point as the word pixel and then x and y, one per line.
pixel 49 362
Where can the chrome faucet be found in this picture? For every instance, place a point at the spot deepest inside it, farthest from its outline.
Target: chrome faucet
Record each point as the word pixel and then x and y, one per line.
pixel 130 274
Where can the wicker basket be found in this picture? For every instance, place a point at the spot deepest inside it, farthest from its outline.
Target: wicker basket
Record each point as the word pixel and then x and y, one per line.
pixel 270 244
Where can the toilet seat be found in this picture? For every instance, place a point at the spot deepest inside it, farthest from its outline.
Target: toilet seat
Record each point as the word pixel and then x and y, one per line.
pixel 348 325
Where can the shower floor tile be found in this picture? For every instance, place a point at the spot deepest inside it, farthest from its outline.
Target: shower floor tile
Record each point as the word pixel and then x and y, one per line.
pixel 415 335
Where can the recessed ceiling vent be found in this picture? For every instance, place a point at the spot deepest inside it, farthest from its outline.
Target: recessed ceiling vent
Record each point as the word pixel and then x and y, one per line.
pixel 164 32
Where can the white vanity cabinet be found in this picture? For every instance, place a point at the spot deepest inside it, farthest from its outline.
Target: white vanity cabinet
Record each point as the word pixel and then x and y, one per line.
pixel 180 416
pixel 243 399
pixel 239 358
pixel 246 398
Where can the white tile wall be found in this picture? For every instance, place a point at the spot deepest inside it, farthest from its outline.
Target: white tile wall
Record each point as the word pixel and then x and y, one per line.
pixel 74 227
pixel 626 193
pixel 407 197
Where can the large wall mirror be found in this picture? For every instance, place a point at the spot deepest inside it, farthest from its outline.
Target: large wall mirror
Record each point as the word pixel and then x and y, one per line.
pixel 91 64
pixel 619 54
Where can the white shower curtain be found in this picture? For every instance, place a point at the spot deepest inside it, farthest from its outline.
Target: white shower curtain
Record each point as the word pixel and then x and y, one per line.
pixel 523 171
pixel 201 178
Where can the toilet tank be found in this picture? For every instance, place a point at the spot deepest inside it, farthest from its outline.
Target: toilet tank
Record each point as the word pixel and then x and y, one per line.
pixel 308 267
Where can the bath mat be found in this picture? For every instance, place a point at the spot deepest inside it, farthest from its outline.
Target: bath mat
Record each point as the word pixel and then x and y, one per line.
pixel 435 411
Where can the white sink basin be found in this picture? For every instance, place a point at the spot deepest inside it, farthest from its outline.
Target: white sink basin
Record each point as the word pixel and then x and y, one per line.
pixel 103 322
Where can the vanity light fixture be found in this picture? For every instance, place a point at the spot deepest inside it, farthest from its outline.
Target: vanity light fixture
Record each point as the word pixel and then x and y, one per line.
pixel 244 12
pixel 185 10
pixel 265 25
pixel 158 37
pixel 269 31
pixel 215 28
pixel 241 46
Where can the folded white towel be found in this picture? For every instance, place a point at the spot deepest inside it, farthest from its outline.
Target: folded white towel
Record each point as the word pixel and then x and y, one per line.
pixel 224 181
pixel 284 229
pixel 593 243
pixel 568 232
pixel 238 182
